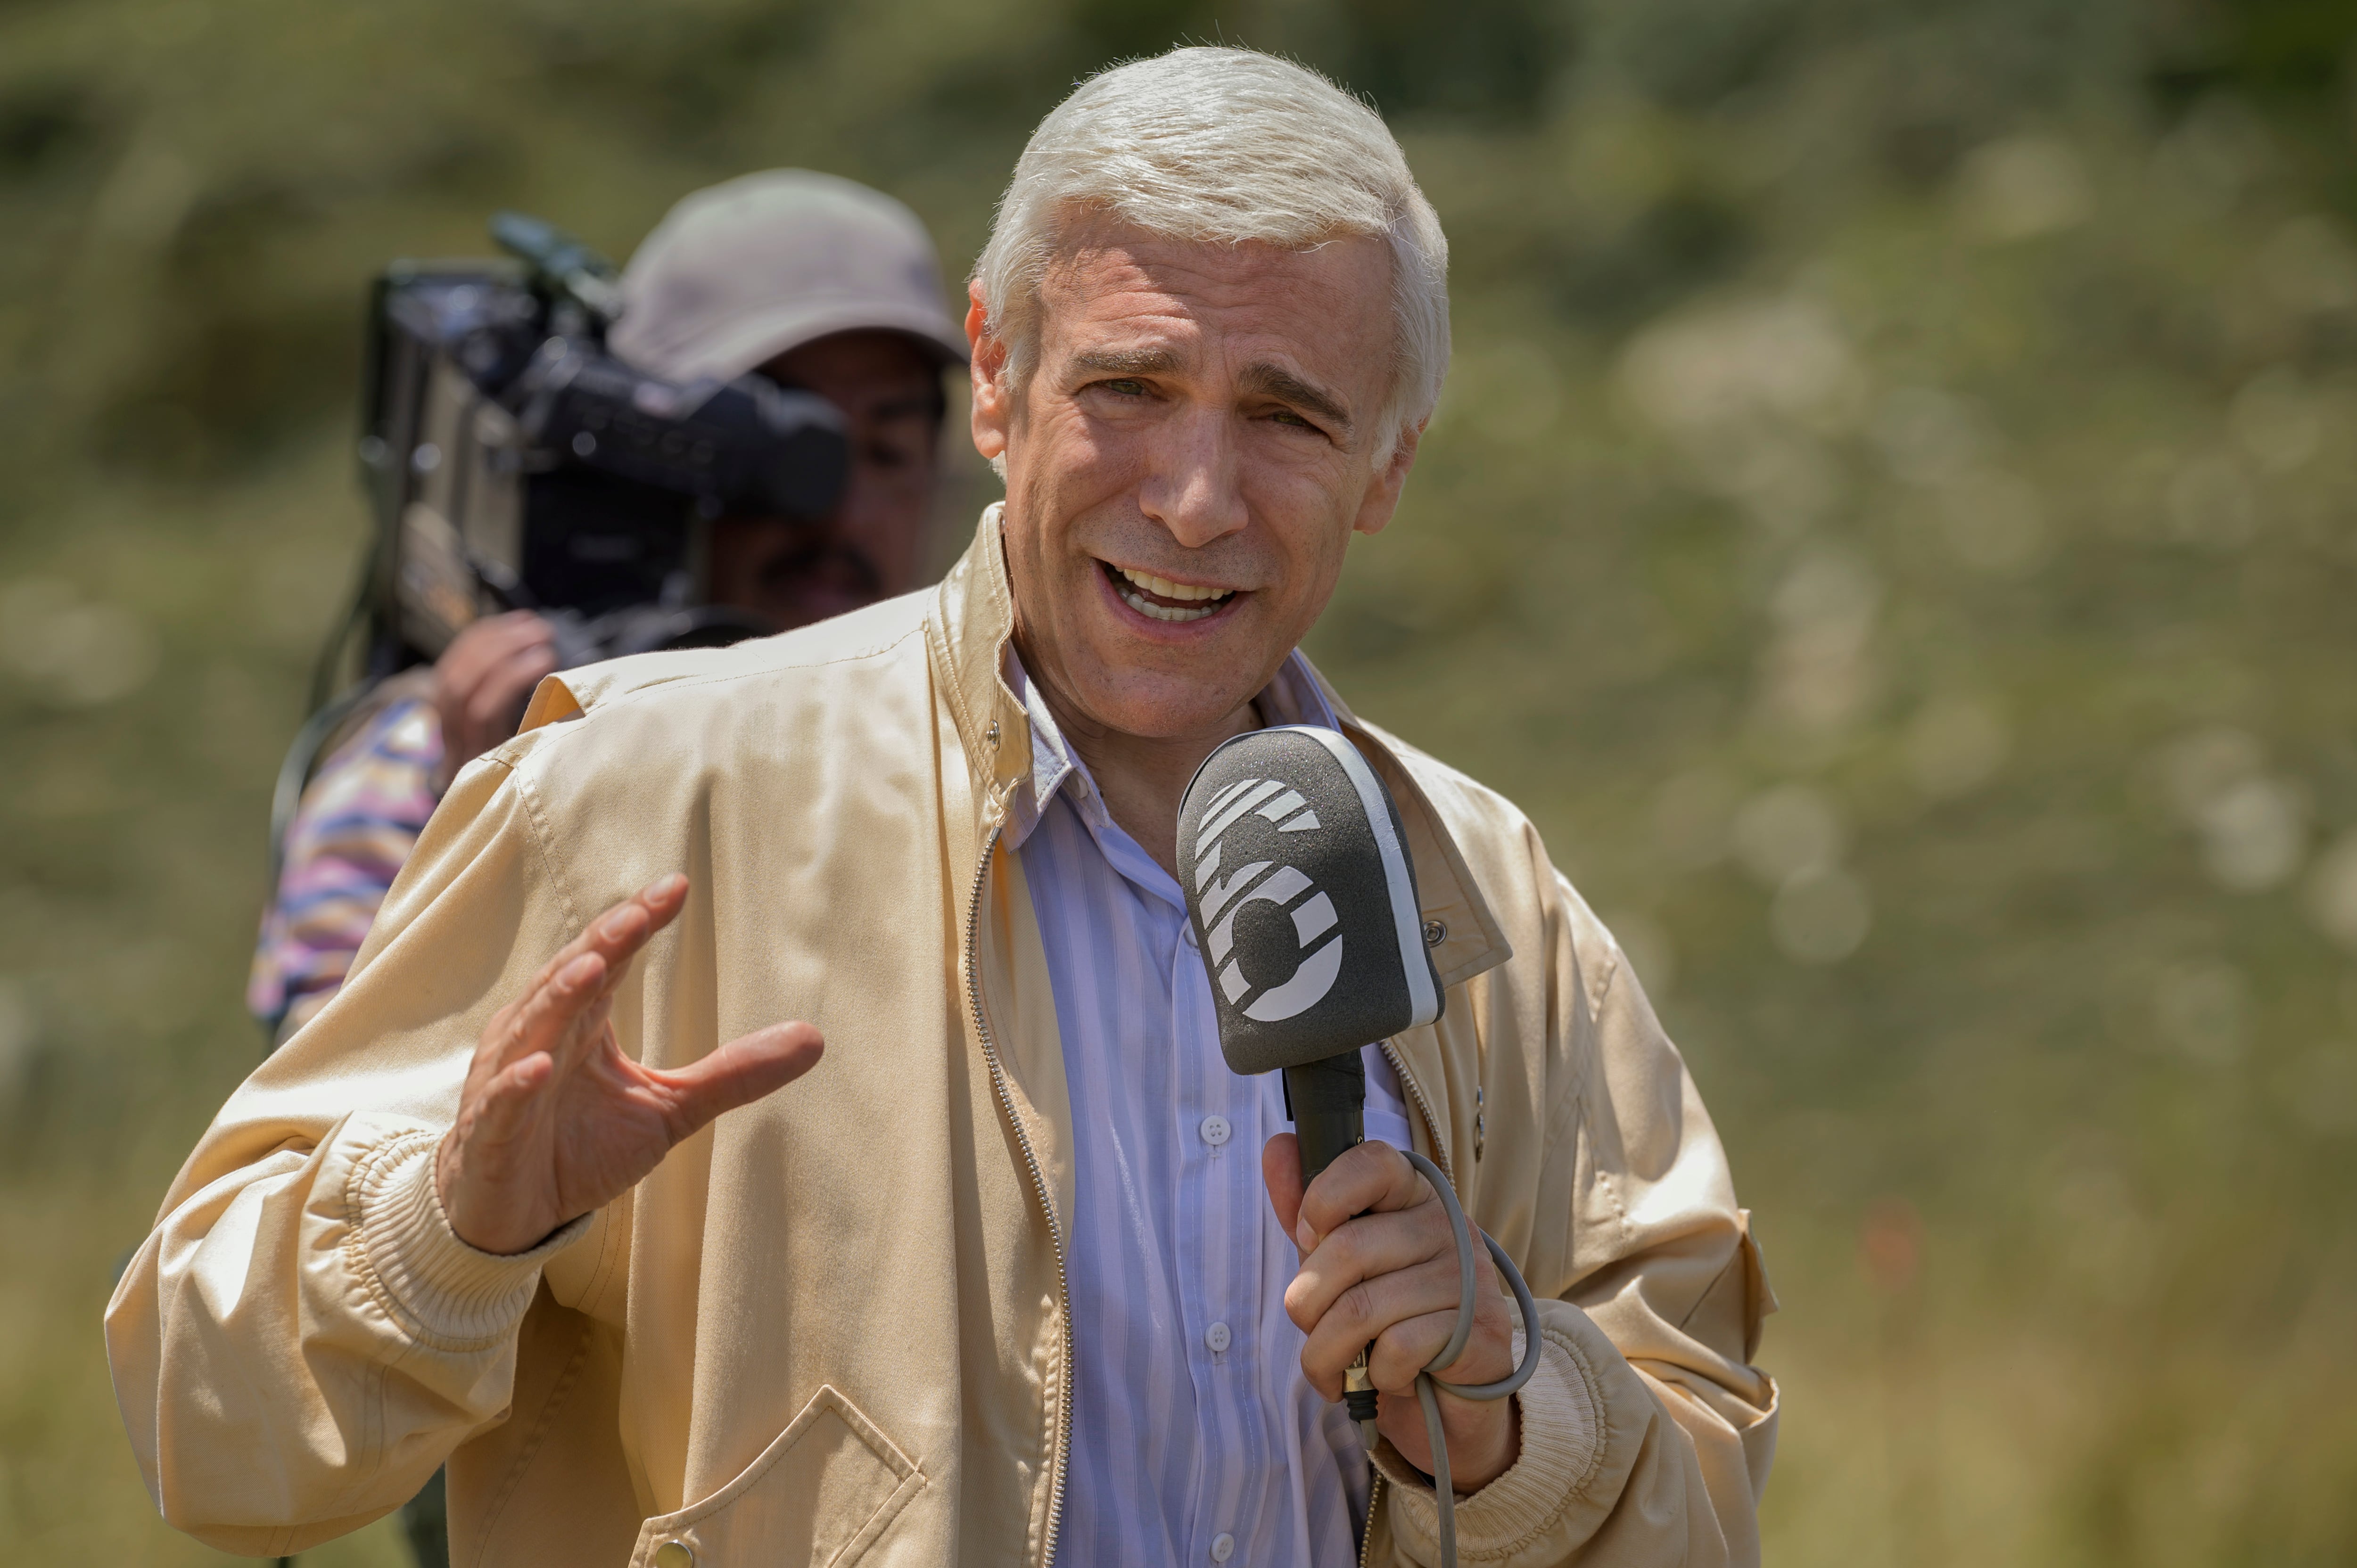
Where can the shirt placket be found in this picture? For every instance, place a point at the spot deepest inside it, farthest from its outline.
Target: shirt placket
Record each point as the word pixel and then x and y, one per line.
pixel 1219 1240
pixel 1220 1284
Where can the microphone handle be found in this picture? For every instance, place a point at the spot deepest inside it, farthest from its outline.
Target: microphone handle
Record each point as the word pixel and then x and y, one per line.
pixel 1327 1101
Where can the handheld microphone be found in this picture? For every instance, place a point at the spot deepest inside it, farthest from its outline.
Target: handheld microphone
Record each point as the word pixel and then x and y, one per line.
pixel 1303 900
pixel 1305 911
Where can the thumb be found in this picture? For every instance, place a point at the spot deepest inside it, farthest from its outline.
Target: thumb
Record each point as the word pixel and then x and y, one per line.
pixel 742 1071
pixel 1280 1167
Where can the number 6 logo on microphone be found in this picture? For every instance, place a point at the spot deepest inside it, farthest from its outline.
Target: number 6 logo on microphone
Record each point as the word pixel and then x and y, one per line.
pixel 1313 917
pixel 1303 900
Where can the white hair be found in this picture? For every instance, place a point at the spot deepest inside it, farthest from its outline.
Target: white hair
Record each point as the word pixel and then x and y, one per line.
pixel 1224 145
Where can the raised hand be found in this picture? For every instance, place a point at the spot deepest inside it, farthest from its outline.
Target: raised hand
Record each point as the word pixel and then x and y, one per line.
pixel 555 1121
pixel 1379 1274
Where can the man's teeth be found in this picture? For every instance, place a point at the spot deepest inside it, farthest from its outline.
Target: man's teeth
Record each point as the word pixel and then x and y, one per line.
pixel 1164 612
pixel 1170 590
pixel 1163 587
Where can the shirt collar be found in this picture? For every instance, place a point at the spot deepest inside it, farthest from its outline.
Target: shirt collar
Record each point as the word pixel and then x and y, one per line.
pixel 1291 697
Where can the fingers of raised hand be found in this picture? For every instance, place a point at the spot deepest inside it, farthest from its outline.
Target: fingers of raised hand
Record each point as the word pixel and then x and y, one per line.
pixel 563 1008
pixel 738 1073
pixel 501 1112
pixel 617 935
pixel 1371 1177
pixel 623 929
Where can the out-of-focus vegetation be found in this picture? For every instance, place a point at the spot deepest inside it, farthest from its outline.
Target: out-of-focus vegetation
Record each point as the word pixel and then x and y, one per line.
pixel 1891 521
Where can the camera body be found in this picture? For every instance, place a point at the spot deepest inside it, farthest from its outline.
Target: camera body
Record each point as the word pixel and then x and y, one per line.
pixel 513 463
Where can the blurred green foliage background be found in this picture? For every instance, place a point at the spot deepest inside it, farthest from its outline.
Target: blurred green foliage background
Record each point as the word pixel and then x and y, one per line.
pixel 1891 523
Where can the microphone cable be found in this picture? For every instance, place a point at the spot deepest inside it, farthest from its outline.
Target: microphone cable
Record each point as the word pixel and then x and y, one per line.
pixel 1428 1387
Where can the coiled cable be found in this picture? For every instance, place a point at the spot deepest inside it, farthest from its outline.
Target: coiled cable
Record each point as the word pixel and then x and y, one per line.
pixel 1428 1387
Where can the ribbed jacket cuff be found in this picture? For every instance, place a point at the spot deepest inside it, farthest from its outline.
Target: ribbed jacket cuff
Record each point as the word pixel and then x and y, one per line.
pixel 441 1290
pixel 1561 1446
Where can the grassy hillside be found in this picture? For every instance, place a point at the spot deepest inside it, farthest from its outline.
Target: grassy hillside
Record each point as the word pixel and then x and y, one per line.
pixel 1889 523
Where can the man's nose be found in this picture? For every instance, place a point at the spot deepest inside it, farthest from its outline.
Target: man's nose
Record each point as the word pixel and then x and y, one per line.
pixel 1192 485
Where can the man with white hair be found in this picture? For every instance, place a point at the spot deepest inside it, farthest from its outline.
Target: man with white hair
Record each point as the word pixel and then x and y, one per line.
pixel 1000 1281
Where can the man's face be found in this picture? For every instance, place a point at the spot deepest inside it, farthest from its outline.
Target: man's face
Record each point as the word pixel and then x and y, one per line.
pixel 872 545
pixel 1186 463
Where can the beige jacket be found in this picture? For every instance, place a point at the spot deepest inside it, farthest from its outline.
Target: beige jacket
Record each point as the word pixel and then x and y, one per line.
pixel 833 1327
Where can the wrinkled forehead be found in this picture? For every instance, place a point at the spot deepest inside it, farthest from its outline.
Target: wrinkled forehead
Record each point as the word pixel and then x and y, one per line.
pixel 1328 305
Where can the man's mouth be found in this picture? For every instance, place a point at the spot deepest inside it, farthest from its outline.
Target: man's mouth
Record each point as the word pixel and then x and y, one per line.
pixel 1159 599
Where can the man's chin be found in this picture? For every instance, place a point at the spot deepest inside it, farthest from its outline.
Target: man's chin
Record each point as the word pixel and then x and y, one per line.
pixel 1155 705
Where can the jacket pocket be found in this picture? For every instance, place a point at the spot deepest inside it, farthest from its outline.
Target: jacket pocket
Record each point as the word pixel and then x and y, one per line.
pixel 821 1493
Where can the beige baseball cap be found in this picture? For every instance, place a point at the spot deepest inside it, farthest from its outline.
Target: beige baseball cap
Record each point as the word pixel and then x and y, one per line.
pixel 737 275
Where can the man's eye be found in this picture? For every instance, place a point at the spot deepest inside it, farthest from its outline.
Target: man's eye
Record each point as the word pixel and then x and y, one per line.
pixel 1286 417
pixel 1125 387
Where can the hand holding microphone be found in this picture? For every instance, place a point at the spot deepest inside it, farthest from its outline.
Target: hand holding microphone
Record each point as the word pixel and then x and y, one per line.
pixel 1379 1281
pixel 1305 911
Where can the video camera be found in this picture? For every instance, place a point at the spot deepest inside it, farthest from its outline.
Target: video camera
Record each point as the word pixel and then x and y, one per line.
pixel 513 463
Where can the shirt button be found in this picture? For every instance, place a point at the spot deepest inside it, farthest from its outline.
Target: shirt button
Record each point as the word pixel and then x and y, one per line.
pixel 674 1555
pixel 1217 1337
pixel 1215 1130
pixel 1224 1546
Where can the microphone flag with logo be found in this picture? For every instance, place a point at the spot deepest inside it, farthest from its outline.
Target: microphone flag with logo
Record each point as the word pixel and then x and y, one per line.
pixel 1304 906
pixel 1302 898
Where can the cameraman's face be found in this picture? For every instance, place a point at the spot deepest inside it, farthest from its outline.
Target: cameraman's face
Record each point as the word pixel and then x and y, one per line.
pixel 872 545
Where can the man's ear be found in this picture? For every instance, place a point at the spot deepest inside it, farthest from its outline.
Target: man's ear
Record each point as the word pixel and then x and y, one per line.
pixel 994 403
pixel 1382 495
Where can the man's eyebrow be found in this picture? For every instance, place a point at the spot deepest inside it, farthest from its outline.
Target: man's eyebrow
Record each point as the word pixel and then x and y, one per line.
pixel 1122 362
pixel 1272 380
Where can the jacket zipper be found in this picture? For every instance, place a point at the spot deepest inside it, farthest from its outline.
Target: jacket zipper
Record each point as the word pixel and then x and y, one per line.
pixel 1440 1158
pixel 1038 1183
pixel 1424 1106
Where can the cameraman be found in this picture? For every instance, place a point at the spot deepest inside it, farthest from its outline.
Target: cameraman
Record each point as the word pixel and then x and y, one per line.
pixel 820 284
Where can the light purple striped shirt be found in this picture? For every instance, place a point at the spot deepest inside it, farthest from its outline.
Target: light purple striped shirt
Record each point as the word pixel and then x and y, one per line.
pixel 1195 1438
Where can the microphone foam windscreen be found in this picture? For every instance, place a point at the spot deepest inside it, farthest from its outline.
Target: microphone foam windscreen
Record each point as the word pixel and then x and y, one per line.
pixel 1303 901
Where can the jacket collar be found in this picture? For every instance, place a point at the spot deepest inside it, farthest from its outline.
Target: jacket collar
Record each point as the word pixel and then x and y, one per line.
pixel 1294 695
pixel 968 631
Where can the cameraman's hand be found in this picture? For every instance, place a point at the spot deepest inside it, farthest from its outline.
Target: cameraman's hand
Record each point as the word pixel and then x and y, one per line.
pixel 1379 1274
pixel 555 1122
pixel 483 680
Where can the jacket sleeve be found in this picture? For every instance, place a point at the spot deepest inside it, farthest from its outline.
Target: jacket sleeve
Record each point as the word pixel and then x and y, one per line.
pixel 303 1338
pixel 1646 1434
